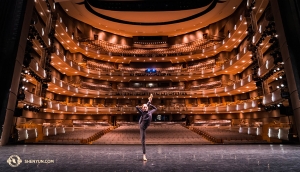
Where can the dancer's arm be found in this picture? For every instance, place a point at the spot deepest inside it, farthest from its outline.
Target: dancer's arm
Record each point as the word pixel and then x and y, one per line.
pixel 153 107
pixel 139 109
pixel 149 114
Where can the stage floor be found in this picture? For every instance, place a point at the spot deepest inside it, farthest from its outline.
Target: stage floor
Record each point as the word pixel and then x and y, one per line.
pixel 187 158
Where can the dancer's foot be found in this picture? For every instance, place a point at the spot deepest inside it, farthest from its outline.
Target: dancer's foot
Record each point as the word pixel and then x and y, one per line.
pixel 144 157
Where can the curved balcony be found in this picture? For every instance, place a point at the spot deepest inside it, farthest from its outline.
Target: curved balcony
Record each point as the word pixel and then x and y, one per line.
pixel 237 29
pixel 67 89
pixel 267 66
pixel 242 59
pixel 194 47
pixel 150 89
pixel 45 15
pixel 92 86
pixel 247 106
pixel 237 33
pixel 274 97
pixel 32 99
pixel 35 66
pixel 42 33
pixel 234 65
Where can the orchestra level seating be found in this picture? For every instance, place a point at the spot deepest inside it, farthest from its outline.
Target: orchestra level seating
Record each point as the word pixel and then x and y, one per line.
pixel 161 133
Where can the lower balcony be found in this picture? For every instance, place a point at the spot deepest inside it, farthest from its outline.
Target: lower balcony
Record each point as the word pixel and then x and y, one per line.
pixel 241 107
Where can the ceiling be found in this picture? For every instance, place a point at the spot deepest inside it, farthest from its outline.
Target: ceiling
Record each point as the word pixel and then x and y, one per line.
pixel 144 18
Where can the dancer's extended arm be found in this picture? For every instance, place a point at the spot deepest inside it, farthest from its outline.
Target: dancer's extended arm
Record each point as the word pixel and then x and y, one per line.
pixel 139 109
pixel 153 107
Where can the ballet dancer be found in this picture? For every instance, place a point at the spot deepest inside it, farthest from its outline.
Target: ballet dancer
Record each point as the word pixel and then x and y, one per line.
pixel 145 120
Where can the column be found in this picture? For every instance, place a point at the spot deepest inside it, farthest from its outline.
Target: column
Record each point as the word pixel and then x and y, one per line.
pixel 38 89
pixel 170 117
pixel 286 16
pixel 223 99
pixel 15 17
pixel 67 99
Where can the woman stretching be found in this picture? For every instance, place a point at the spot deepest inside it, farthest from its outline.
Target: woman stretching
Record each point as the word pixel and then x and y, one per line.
pixel 145 119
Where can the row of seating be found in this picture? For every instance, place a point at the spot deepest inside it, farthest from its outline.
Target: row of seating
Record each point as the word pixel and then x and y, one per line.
pixel 202 65
pixel 92 86
pixel 206 135
pixel 127 50
pixel 160 133
pixel 73 135
pixel 173 69
pixel 129 93
pixel 99 66
pixel 96 136
pixel 201 105
pixel 150 74
pixel 150 89
pixel 209 85
pixel 92 123
pixel 218 135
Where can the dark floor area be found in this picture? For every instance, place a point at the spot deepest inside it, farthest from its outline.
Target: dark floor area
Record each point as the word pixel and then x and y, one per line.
pixel 187 158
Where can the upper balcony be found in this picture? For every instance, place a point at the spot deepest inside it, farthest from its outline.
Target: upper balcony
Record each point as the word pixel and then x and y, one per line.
pixel 201 47
pixel 60 87
pixel 125 74
pixel 195 47
pixel 198 49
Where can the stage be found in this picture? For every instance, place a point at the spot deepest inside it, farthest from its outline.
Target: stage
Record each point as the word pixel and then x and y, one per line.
pixel 187 158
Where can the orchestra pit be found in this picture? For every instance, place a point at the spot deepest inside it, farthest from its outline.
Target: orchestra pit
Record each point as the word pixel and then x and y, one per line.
pixel 220 79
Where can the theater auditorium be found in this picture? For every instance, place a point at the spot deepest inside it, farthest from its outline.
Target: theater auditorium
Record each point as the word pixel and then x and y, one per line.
pixel 224 76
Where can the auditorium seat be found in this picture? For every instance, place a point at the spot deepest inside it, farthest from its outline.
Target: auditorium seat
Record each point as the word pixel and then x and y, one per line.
pixel 74 135
pixel 223 135
pixel 157 133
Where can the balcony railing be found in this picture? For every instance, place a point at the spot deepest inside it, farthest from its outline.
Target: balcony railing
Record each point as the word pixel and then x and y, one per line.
pixel 78 90
pixel 57 107
pixel 272 97
pixel 32 99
